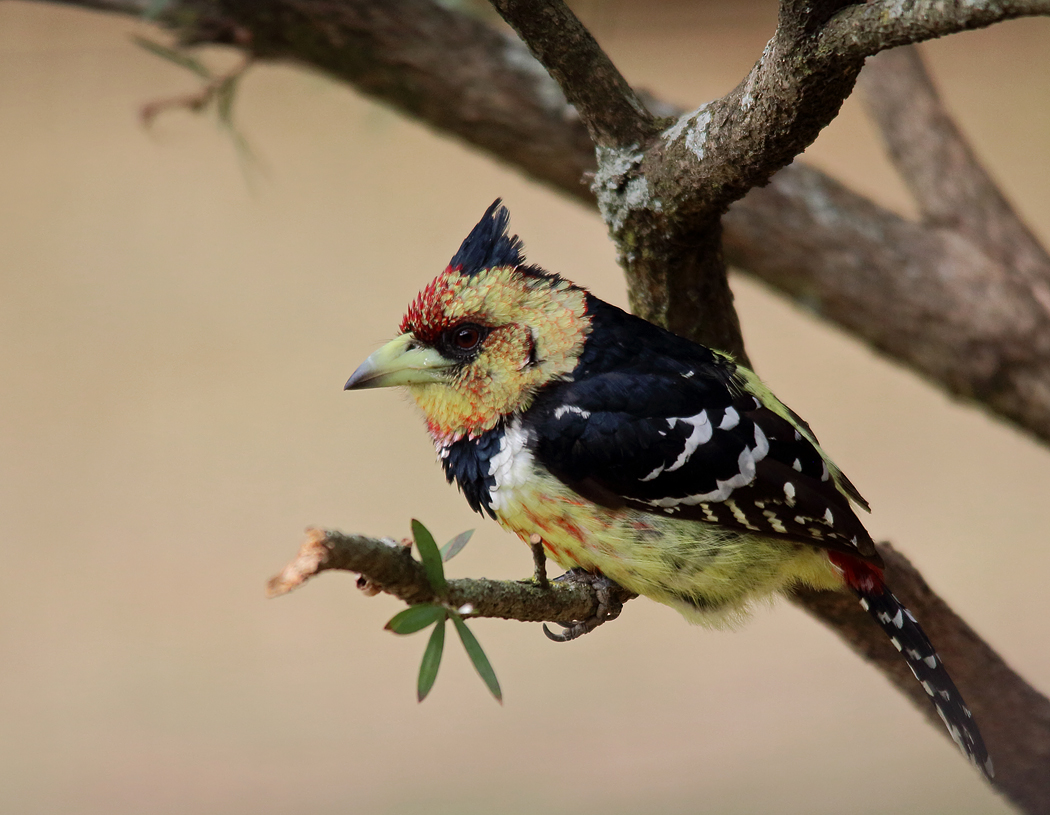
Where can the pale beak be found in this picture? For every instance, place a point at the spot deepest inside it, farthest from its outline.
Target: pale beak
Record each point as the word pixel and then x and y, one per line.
pixel 402 361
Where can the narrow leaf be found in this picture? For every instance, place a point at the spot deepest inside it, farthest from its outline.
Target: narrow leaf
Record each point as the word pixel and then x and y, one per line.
pixel 171 55
pixel 415 618
pixel 455 546
pixel 477 656
pixel 428 553
pixel 155 9
pixel 225 95
pixel 428 669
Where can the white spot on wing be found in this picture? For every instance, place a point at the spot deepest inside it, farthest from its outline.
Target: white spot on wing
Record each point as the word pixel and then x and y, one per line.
pixel 797 465
pixel 829 517
pixel 761 444
pixel 730 420
pixel 789 493
pixel 738 513
pixel 746 462
pixel 561 410
pixel 701 434
pixel 774 521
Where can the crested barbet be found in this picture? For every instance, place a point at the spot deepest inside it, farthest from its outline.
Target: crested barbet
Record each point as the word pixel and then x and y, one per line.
pixel 634 455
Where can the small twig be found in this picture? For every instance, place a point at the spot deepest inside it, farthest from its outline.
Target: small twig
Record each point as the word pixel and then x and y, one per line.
pixel 199 99
pixel 389 567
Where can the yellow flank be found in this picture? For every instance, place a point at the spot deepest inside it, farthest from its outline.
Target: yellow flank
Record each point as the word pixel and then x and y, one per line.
pixel 709 573
pixel 538 330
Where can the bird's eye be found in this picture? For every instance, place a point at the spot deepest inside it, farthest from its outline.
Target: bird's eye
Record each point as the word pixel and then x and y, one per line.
pixel 466 337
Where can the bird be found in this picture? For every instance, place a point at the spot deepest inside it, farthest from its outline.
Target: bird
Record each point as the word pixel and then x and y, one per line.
pixel 628 454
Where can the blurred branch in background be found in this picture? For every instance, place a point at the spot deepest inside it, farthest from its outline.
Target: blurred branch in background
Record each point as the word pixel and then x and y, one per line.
pixel 962 296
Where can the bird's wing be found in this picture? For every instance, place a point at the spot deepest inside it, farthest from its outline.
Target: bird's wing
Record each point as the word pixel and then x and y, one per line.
pixel 698 446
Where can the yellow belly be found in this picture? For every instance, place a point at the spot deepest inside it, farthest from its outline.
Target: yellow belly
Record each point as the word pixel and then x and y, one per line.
pixel 711 574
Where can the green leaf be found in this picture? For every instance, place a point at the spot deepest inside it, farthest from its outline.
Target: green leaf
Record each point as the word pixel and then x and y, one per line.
pixel 455 546
pixel 428 553
pixel 155 9
pixel 224 96
pixel 428 669
pixel 477 656
pixel 415 618
pixel 171 55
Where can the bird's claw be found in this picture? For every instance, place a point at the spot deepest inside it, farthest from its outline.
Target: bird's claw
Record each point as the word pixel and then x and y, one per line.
pixel 611 597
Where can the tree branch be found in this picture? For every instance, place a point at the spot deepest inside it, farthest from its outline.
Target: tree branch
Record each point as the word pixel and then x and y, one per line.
pixel 925 296
pixel 1014 717
pixel 387 566
pixel 865 29
pixel 952 188
pixel 613 114
pixel 464 78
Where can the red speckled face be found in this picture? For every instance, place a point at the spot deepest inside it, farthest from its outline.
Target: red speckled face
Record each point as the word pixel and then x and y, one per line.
pixel 532 329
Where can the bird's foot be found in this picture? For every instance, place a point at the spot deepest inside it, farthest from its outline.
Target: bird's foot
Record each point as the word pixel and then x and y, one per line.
pixel 611 597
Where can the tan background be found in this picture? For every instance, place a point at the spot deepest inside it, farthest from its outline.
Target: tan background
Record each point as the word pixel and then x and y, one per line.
pixel 175 330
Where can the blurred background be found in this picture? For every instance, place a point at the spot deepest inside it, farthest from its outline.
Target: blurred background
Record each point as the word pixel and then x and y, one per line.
pixel 176 324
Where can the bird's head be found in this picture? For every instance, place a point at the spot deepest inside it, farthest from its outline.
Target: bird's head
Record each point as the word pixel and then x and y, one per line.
pixel 480 340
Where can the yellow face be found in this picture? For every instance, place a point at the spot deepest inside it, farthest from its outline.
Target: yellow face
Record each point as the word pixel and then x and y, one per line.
pixel 475 348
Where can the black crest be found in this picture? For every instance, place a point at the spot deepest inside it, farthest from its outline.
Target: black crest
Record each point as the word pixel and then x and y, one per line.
pixel 488 244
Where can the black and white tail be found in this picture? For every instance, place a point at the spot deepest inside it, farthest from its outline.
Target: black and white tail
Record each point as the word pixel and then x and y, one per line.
pixel 908 637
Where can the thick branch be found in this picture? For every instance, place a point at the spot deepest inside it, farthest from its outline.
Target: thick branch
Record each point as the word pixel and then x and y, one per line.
pixel 926 296
pixel 865 29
